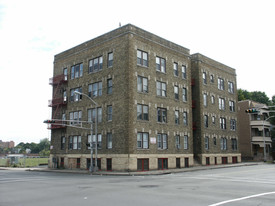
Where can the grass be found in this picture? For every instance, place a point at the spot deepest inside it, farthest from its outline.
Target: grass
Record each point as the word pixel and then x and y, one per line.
pixel 28 162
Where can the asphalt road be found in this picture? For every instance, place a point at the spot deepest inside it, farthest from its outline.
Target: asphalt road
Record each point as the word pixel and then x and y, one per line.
pixel 246 186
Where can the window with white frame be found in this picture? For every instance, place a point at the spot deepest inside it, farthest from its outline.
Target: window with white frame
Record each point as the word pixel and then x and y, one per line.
pixel 92 114
pixel 232 124
pixel 162 115
pixel 231 87
pixel 177 142
pixel 142 58
pixel 95 64
pixel 177 117
pixel 234 144
pixel 142 84
pixel 93 141
pixel 185 142
pixel 109 86
pixel 206 143
pixel 213 119
pixel 184 94
pixel 142 112
pixel 63 143
pixel 221 103
pixel 109 113
pixel 77 71
pixel 205 121
pixel 75 142
pixel 95 89
pixel 110 59
pixel 161 64
pixel 212 99
pixel 220 83
pixel 75 97
pixel 204 78
pixel 162 141
pixel 183 72
pixel 223 123
pixel 142 140
pixel 161 89
pixel 176 92
pixel 176 71
pixel 75 117
pixel 231 106
pixel 223 143
pixel 185 119
pixel 109 140
pixel 204 99
pixel 211 78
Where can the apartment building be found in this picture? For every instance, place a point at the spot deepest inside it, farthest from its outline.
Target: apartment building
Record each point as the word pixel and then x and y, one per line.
pixel 252 138
pixel 141 84
pixel 214 96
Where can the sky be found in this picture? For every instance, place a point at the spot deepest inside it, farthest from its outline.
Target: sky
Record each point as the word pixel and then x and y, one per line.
pixel 237 33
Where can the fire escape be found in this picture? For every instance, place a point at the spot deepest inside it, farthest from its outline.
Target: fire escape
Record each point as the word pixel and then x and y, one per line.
pixel 59 101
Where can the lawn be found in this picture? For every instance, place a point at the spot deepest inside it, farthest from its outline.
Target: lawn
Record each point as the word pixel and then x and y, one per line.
pixel 25 162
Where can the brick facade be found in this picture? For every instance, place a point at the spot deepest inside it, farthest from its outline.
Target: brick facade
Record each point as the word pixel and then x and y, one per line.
pixel 127 72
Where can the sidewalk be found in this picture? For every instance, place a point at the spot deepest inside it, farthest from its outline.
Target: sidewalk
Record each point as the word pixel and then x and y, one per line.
pixel 142 173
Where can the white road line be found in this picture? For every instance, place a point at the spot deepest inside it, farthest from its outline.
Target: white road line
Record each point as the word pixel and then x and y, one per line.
pixel 242 198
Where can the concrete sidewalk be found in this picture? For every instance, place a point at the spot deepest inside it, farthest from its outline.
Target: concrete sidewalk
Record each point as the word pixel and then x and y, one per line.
pixel 141 173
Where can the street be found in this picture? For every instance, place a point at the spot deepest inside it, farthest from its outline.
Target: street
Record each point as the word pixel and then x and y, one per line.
pixel 246 186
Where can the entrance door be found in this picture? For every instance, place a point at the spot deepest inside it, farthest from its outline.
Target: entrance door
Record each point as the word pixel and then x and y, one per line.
pixel 109 164
pixel 178 162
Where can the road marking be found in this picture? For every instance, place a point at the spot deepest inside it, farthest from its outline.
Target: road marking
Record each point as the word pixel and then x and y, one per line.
pixel 242 198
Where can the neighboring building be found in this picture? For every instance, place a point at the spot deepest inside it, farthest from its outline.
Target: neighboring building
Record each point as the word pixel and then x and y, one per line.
pixel 252 138
pixel 142 85
pixel 214 96
pixel 9 144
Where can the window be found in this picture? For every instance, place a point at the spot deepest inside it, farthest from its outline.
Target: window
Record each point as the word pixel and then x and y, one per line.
pixel 231 106
pixel 65 72
pixel 162 115
pixel 75 97
pixel 211 78
pixel 109 113
pixel 183 71
pixel 93 141
pixel 77 71
pixel 185 142
pixel 212 99
pixel 143 164
pixel 231 87
pixel 177 117
pixel 142 112
pixel 223 143
pixel 75 117
pixel 221 104
pixel 177 142
pixel 176 71
pixel 142 84
pixel 204 78
pixel 110 59
pixel 142 140
pixel 233 124
pixel 184 94
pixel 206 143
pixel 214 140
pixel 162 163
pixel 234 144
pixel 63 142
pixel 213 119
pixel 223 123
pixel 205 99
pixel 162 141
pixel 95 89
pixel 161 89
pixel 92 114
pixel 205 121
pixel 109 140
pixel 160 64
pixel 109 86
pixel 220 84
pixel 142 58
pixel 75 142
pixel 176 92
pixel 95 64
pixel 185 119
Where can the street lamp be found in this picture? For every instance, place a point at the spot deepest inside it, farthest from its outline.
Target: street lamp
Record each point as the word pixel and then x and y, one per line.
pixel 264 136
pixel 91 143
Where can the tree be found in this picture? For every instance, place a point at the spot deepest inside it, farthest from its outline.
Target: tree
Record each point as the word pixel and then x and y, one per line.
pixel 256 96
